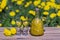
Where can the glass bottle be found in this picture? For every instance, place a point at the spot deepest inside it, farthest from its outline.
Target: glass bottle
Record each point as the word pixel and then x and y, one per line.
pixel 37 25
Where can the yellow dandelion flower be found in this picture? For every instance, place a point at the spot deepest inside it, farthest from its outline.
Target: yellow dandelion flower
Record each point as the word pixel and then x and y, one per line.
pixel 0 24
pixel 32 12
pixel 48 3
pixel 57 7
pixel 52 15
pixel 46 8
pixel 18 23
pixel 23 18
pixel 25 23
pixel 7 8
pixel 7 32
pixel 45 13
pixel 13 30
pixel 13 22
pixel 0 10
pixel 19 2
pixel 3 4
pixel 43 18
pixel 36 3
pixel 17 10
pixel 58 14
pixel 12 13
pixel 53 5
pixel 43 4
pixel 27 4
pixel 39 6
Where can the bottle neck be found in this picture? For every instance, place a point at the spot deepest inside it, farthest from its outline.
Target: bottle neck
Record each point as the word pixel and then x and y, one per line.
pixel 37 14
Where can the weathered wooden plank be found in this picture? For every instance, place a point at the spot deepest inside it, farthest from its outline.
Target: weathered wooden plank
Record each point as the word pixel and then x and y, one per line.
pixel 51 33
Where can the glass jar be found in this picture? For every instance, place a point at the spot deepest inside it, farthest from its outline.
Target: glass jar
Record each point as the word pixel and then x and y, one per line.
pixel 37 28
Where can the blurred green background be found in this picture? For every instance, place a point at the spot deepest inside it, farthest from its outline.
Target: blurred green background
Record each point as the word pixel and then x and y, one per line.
pixel 22 8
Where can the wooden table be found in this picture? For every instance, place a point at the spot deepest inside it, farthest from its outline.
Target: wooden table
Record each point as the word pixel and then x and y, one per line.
pixel 51 33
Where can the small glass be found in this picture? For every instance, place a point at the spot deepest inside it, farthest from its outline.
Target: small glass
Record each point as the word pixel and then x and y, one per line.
pixel 18 23
pixel 25 29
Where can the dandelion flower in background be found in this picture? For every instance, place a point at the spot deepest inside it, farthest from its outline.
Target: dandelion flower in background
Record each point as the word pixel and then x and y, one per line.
pixel 45 13
pixel 32 12
pixel 12 13
pixel 52 15
pixel 13 22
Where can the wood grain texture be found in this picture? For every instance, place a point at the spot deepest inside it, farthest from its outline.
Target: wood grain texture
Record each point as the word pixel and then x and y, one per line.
pixel 51 33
